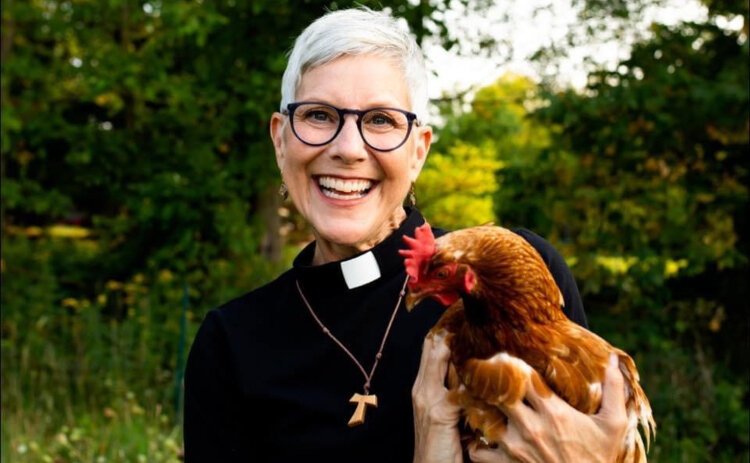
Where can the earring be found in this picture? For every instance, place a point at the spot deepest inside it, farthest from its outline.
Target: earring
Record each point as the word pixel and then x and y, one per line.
pixel 283 191
pixel 412 198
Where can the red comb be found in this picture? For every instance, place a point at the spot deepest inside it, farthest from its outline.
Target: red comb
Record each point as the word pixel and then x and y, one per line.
pixel 421 249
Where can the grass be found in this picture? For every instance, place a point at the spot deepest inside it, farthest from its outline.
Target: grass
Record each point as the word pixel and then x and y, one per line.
pixel 127 434
pixel 88 373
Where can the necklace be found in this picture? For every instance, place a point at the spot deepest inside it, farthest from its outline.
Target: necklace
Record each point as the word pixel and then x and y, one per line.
pixel 366 399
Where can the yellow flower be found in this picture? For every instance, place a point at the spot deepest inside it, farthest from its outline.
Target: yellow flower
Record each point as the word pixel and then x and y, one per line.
pixel 70 302
pixel 33 232
pixel 165 276
pixel 672 267
pixel 113 285
pixel 617 265
pixel 68 231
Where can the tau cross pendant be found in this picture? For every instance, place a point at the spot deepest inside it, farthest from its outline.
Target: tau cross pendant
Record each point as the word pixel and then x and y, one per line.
pixel 362 402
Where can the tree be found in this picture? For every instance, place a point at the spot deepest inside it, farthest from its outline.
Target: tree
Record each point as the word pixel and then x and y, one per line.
pixel 459 186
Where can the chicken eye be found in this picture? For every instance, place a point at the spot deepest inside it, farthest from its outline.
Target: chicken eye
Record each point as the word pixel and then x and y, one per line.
pixel 441 273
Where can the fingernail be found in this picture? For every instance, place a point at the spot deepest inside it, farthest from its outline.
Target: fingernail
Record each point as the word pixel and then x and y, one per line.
pixel 613 360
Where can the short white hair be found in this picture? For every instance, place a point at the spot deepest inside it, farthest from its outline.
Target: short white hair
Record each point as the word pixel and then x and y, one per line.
pixel 357 31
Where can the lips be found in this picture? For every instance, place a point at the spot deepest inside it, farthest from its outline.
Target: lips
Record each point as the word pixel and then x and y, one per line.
pixel 340 188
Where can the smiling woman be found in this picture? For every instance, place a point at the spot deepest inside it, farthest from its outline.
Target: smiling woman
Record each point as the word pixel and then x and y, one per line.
pixel 323 364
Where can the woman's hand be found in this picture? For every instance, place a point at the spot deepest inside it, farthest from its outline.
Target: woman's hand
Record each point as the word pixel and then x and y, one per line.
pixel 436 437
pixel 550 430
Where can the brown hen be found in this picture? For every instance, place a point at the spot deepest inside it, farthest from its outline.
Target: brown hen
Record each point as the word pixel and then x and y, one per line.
pixel 506 328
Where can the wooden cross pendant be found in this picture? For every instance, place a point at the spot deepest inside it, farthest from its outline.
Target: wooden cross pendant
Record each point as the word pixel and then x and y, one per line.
pixel 362 402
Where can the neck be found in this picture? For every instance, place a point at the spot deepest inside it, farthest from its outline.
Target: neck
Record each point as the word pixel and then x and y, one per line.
pixel 329 251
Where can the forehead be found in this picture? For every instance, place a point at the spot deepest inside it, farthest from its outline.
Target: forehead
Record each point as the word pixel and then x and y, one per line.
pixel 356 82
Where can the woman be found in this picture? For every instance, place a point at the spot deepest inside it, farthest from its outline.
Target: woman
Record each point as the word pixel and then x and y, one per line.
pixel 321 364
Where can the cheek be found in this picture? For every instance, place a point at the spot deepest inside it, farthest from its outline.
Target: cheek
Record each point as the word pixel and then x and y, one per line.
pixel 294 169
pixel 396 168
pixel 295 158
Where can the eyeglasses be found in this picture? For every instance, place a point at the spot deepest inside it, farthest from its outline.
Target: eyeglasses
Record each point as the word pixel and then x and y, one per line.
pixel 382 129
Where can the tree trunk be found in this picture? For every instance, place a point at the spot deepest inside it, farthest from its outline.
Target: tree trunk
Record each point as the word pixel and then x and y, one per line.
pixel 268 208
pixel 8 29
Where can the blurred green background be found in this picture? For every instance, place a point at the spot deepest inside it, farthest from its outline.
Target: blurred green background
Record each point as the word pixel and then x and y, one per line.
pixel 138 192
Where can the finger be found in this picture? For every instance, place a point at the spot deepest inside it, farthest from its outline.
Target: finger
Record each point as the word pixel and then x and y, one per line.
pixel 433 367
pixel 435 355
pixel 513 396
pixel 537 392
pixel 440 345
pixel 519 414
pixel 613 390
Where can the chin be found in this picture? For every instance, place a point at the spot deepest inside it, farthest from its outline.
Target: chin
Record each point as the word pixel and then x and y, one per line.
pixel 352 234
pixel 361 226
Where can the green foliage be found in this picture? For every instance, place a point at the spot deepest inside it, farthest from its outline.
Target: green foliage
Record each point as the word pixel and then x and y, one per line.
pixel 661 171
pixel 456 188
pixel 82 359
pixel 459 186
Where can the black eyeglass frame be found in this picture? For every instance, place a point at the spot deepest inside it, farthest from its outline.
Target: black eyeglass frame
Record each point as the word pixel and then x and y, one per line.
pixel 411 119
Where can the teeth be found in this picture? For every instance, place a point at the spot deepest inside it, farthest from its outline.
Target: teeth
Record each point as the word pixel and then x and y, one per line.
pixel 334 195
pixel 344 186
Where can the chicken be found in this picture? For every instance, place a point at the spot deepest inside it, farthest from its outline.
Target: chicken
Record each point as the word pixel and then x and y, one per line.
pixel 506 329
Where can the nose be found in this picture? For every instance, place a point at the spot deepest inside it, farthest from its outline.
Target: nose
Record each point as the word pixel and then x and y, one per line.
pixel 348 146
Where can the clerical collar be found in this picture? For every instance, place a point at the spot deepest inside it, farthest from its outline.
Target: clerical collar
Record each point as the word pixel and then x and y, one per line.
pixel 360 270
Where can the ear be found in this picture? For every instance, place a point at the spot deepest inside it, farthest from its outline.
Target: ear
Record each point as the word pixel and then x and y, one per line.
pixel 423 141
pixel 276 127
pixel 470 280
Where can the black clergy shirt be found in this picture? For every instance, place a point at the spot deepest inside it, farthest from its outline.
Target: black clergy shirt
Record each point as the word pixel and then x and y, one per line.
pixel 265 384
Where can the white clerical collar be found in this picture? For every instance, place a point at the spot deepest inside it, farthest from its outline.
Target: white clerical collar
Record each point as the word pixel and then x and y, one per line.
pixel 360 270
